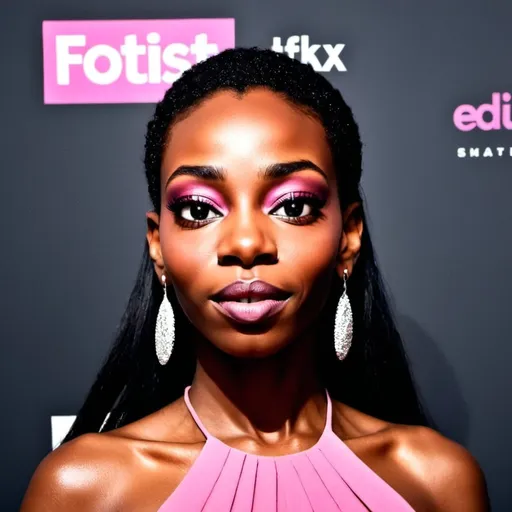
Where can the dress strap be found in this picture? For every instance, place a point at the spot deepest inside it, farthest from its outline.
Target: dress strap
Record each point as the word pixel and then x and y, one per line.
pixel 328 415
pixel 204 430
pixel 194 414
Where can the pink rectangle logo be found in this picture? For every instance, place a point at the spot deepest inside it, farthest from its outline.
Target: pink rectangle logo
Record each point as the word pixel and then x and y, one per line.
pixel 125 61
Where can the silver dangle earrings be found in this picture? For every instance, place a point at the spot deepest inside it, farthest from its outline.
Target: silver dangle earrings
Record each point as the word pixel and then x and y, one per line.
pixel 164 331
pixel 343 325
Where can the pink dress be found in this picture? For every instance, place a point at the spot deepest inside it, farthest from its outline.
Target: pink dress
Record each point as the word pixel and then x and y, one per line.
pixel 326 477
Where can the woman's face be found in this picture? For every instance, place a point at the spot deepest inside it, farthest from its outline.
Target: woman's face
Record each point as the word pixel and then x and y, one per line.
pixel 249 194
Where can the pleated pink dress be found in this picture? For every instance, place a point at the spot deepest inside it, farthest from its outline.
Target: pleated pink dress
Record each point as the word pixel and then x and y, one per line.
pixel 328 477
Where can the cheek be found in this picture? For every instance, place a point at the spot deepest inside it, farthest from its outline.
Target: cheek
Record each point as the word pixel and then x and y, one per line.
pixel 187 254
pixel 314 257
pixel 312 263
pixel 313 250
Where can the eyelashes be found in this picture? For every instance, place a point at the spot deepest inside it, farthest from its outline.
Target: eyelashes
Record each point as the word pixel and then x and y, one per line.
pixel 293 206
pixel 298 208
pixel 193 211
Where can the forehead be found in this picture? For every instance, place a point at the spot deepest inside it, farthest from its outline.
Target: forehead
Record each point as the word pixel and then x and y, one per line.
pixel 259 126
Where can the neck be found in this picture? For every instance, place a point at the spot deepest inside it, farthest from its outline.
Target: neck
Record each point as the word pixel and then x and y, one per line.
pixel 280 393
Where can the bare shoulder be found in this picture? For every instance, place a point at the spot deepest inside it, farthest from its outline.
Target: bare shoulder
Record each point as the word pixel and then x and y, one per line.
pixel 430 470
pixel 139 464
pixel 77 476
pixel 448 471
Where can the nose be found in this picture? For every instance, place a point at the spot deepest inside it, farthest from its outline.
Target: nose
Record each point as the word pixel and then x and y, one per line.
pixel 247 241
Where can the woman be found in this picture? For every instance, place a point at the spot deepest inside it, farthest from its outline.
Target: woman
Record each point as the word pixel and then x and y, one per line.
pixel 275 378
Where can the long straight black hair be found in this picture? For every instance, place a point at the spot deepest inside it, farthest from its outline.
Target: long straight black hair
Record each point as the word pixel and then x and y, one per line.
pixel 375 376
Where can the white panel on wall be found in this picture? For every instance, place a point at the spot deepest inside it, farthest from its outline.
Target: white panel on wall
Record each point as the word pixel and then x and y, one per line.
pixel 60 427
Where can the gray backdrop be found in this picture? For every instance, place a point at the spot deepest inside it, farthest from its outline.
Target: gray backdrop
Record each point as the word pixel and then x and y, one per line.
pixel 73 200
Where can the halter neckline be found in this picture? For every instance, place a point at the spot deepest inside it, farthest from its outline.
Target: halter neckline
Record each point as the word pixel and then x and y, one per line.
pixel 329 476
pixel 209 437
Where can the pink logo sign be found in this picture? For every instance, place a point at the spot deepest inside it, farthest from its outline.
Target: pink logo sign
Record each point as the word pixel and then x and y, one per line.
pixel 497 114
pixel 125 61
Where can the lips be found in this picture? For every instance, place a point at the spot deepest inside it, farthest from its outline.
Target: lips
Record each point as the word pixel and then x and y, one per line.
pixel 241 291
pixel 250 302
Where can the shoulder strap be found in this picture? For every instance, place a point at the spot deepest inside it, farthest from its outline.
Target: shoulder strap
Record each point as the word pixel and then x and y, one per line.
pixel 328 415
pixel 194 414
pixel 204 430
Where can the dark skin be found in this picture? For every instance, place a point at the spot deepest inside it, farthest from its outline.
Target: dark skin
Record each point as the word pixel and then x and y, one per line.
pixel 254 388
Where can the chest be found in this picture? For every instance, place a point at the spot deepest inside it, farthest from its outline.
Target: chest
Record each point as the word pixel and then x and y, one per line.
pixel 164 484
pixel 327 477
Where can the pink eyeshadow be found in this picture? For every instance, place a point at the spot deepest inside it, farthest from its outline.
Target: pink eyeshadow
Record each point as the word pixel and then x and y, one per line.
pixel 196 189
pixel 313 186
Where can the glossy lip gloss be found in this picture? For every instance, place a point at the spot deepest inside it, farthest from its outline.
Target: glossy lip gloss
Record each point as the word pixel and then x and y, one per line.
pixel 251 312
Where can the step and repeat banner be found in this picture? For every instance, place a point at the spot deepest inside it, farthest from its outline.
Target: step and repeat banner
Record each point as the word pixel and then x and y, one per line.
pixel 431 88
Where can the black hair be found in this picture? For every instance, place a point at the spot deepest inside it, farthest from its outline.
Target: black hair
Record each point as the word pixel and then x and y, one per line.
pixel 375 376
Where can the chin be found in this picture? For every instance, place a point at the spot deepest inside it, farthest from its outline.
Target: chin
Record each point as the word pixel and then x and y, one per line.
pixel 251 346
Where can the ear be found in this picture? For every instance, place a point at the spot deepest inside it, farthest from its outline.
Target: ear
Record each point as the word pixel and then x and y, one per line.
pixel 153 238
pixel 350 244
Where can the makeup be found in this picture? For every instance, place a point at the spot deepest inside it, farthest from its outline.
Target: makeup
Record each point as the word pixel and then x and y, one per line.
pixel 310 186
pixel 187 189
pixel 309 191
pixel 250 302
pixel 251 312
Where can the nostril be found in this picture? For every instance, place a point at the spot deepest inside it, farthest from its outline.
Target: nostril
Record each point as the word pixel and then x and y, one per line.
pixel 229 260
pixel 265 259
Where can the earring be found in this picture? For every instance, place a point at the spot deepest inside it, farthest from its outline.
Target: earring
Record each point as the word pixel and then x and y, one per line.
pixel 343 325
pixel 164 331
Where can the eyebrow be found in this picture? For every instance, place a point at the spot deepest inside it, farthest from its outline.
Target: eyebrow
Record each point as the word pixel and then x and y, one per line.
pixel 271 172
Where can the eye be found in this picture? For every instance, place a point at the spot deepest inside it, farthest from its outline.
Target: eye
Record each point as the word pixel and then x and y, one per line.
pixel 193 211
pixel 294 208
pixel 197 211
pixel 298 208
